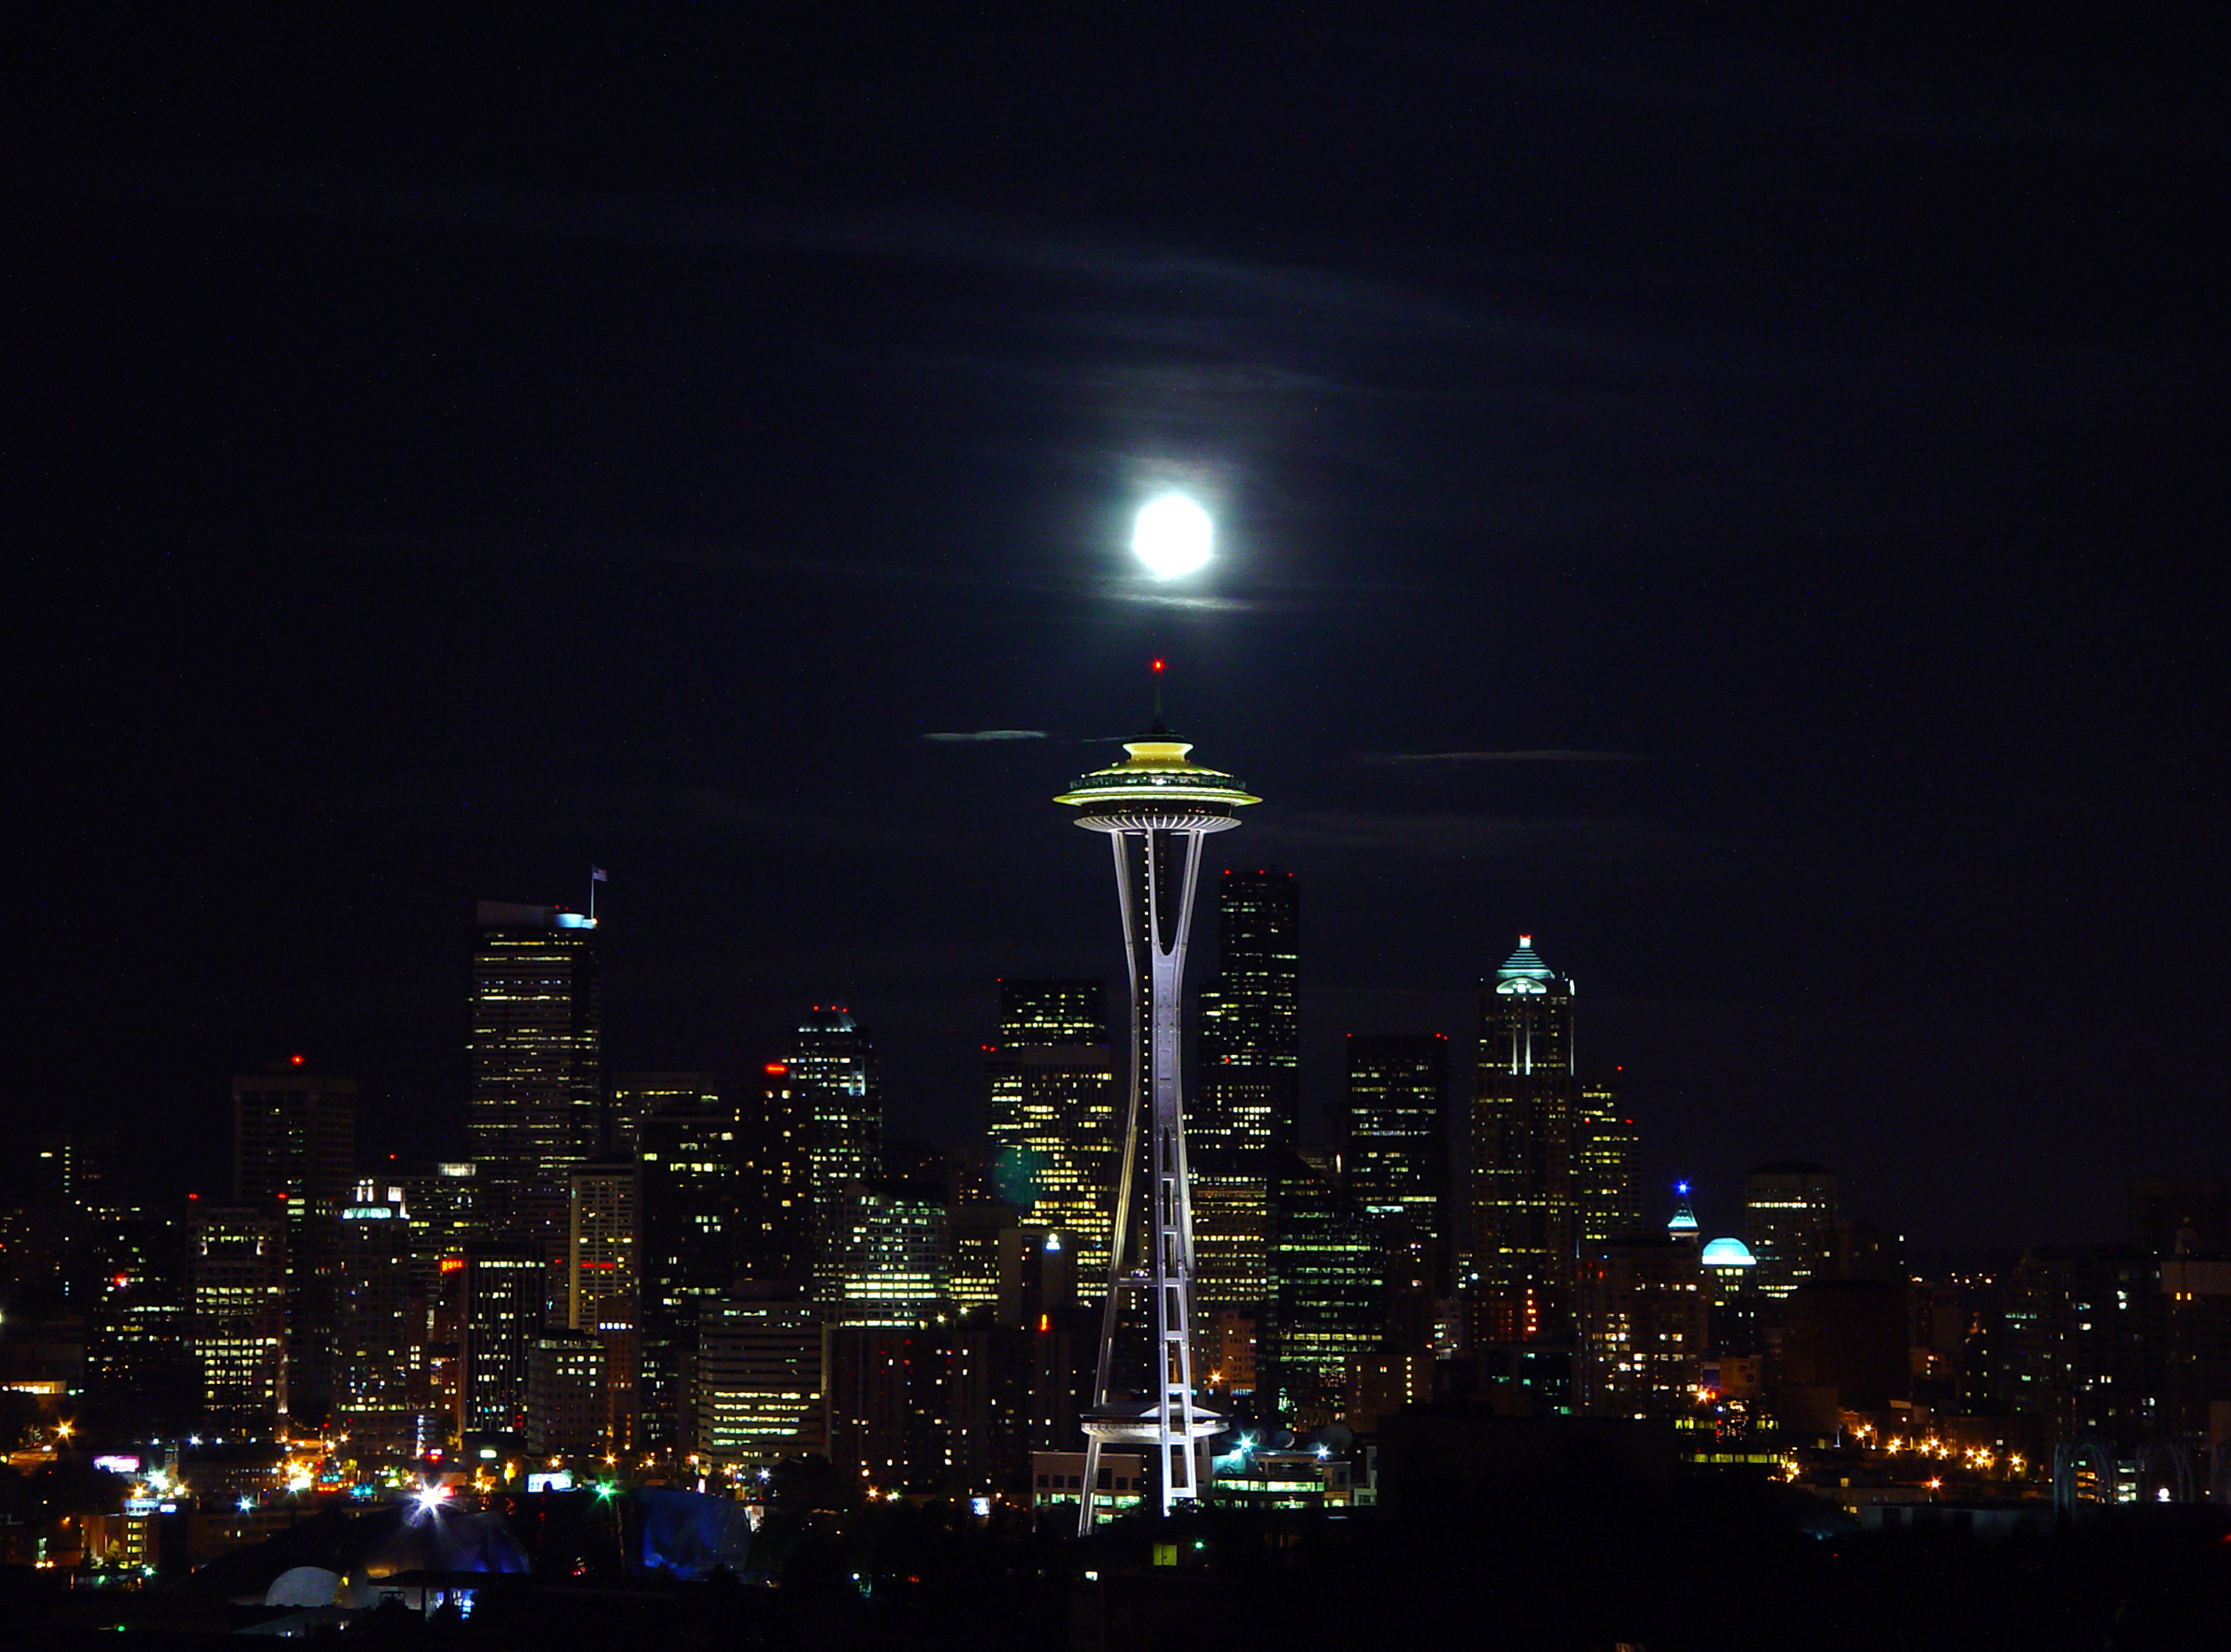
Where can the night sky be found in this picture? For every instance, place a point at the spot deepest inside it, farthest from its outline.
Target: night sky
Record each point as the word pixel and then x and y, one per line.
pixel 1738 498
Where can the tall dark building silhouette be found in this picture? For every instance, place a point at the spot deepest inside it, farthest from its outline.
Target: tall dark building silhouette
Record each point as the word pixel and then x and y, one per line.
pixel 536 1065
pixel 1394 1146
pixel 1250 1018
pixel 294 1152
pixel 692 1249
pixel 1525 1132
pixel 830 1064
pixel 1327 1278
pixel 1054 1128
pixel 1789 1213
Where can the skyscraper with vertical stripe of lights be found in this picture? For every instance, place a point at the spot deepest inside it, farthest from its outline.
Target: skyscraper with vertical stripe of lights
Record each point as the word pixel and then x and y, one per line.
pixel 1157 808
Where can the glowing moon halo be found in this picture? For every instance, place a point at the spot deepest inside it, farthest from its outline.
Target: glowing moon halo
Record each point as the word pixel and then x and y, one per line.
pixel 1173 536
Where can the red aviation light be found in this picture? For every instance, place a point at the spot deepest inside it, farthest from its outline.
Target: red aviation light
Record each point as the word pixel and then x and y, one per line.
pixel 295 1061
pixel 776 1069
pixel 1157 665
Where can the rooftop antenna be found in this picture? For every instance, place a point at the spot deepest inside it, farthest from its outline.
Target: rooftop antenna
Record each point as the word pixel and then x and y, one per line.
pixel 1157 728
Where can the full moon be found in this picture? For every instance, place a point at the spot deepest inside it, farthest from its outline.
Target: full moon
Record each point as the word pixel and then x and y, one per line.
pixel 1173 536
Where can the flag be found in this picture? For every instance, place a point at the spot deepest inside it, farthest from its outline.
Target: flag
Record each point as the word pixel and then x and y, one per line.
pixel 597 875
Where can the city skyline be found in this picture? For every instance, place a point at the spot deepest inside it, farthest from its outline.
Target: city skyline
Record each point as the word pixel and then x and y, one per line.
pixel 1719 496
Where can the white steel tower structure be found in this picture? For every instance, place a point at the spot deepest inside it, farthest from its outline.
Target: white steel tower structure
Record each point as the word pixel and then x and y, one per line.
pixel 1157 808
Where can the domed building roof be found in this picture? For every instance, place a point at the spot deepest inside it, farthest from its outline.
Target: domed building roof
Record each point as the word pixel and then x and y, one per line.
pixel 1728 1252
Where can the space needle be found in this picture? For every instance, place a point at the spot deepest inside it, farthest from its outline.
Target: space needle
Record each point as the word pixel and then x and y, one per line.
pixel 1157 807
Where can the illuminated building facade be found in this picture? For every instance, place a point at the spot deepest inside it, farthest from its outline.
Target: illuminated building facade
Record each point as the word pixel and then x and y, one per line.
pixel 774 1231
pixel 1231 1201
pixel 568 1394
pixel 536 1065
pixel 138 1362
pixel 381 1396
pixel 1525 1119
pixel 294 1146
pixel 236 1271
pixel 760 1390
pixel 887 1248
pixel 1394 1148
pixel 634 1096
pixel 1607 1198
pixel 504 1289
pixel 1250 1018
pixel 1789 1213
pixel 604 1294
pixel 1645 1311
pixel 692 1194
pixel 1052 1115
pixel 831 1068
pixel 1329 1288
pixel 1157 808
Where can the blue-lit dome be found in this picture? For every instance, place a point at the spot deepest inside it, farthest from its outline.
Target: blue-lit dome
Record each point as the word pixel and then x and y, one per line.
pixel 1728 1252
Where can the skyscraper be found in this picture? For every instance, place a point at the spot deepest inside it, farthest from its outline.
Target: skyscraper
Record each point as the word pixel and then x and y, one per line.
pixel 1394 1142
pixel 1250 1016
pixel 294 1150
pixel 691 1250
pixel 635 1096
pixel 1789 1207
pixel 537 1065
pixel 1157 808
pixel 604 1279
pixel 1328 1287
pixel 1053 1114
pixel 236 1272
pixel 505 1289
pixel 380 1393
pixel 831 1070
pixel 1526 1132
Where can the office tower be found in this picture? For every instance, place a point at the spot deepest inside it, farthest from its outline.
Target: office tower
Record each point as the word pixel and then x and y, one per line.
pixel 980 1233
pixel 634 1096
pixel 501 1311
pixel 760 1390
pixel 1157 809
pixel 1329 1288
pixel 1789 1208
pixel 380 1394
pixel 833 1069
pixel 774 1232
pixel 236 1274
pixel 888 1256
pixel 537 1073
pixel 692 1189
pixel 1229 1190
pixel 1052 1115
pixel 568 1396
pixel 604 1294
pixel 1644 1318
pixel 72 1170
pixel 1526 1110
pixel 138 1364
pixel 441 1204
pixel 294 1146
pixel 1394 1149
pixel 1250 1018
pixel 1606 1198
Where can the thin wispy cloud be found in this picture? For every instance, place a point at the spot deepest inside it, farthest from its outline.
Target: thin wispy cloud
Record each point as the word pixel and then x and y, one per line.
pixel 989 734
pixel 1556 754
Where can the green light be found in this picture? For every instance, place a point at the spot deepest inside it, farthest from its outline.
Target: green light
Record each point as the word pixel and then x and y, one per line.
pixel 606 1490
